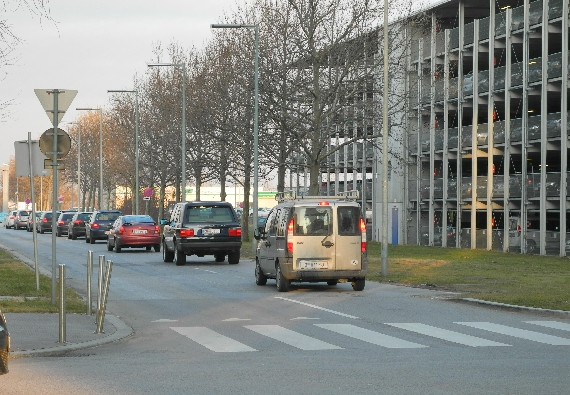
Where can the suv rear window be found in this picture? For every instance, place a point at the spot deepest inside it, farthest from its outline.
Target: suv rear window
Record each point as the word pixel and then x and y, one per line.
pixel 312 221
pixel 209 214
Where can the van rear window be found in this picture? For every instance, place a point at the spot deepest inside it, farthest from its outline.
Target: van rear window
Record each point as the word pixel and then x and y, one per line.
pixel 313 221
pixel 348 218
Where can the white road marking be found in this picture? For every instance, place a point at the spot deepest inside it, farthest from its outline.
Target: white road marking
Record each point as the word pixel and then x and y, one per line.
pixel 520 333
pixel 447 335
pixel 551 324
pixel 369 336
pixel 317 307
pixel 164 320
pixel 212 340
pixel 292 338
pixel 236 319
pixel 304 318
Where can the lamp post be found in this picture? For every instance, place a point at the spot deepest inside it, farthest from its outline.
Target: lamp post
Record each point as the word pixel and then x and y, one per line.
pixel 78 163
pixel 137 188
pixel 100 151
pixel 183 131
pixel 5 186
pixel 255 114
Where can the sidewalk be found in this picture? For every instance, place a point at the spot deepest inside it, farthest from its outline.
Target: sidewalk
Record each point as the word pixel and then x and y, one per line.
pixel 37 334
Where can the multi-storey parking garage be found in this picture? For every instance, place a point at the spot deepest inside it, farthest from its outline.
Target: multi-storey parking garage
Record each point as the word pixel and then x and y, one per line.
pixel 489 127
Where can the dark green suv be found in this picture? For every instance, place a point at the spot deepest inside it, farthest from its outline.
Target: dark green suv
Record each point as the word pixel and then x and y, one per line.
pixel 201 228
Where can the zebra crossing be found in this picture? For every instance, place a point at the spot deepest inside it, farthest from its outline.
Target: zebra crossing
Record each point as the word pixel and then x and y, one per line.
pixel 220 343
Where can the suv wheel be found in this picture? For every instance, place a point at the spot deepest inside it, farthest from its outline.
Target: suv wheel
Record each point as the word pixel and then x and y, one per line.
pixel 282 283
pixel 260 278
pixel 233 258
pixel 179 257
pixel 220 257
pixel 167 256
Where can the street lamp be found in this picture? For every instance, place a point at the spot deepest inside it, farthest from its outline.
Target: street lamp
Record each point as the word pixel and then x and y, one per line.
pixel 5 186
pixel 183 132
pixel 255 115
pixel 136 194
pixel 100 151
pixel 78 162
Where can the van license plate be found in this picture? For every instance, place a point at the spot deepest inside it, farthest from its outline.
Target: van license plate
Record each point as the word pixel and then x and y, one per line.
pixel 313 265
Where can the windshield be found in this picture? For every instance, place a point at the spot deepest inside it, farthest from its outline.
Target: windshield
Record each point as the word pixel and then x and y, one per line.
pixel 313 221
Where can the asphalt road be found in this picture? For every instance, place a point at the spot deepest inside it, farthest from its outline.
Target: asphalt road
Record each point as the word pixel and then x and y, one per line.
pixel 207 328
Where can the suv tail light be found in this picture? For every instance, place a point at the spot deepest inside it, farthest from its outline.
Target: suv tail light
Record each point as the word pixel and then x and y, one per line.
pixel 290 228
pixel 234 232
pixel 44 220
pixel 95 225
pixel 186 232
pixel 60 222
pixel 363 238
pixel 77 222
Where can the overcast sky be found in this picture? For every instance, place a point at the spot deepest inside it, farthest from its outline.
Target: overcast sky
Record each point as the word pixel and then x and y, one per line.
pixel 94 46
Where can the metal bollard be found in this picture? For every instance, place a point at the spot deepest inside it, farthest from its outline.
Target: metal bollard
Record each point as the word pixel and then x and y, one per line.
pixel 101 312
pixel 89 276
pixel 62 323
pixel 100 281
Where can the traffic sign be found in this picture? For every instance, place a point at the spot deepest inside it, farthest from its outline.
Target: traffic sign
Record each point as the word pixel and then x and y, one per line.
pixel 64 99
pixel 63 143
pixel 60 199
pixel 147 192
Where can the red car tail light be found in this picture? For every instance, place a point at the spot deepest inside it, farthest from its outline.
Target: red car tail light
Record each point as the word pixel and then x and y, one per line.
pixel 186 232
pixel 235 232
pixel 121 230
pixel 156 229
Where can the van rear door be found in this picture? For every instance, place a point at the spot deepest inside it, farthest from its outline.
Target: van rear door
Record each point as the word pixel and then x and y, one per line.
pixel 348 238
pixel 313 242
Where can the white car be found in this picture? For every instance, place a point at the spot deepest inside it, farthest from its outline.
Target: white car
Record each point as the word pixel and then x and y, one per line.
pixel 11 219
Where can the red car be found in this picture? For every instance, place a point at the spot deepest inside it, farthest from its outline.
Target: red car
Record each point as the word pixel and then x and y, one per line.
pixel 134 231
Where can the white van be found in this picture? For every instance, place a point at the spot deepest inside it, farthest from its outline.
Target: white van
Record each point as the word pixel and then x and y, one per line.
pixel 312 239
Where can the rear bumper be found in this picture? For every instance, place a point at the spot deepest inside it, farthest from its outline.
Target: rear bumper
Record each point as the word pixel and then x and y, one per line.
pixel 98 234
pixel 138 241
pixel 321 275
pixel 208 247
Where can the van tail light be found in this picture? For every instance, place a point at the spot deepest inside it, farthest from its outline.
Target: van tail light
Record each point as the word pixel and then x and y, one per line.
pixel 363 237
pixel 234 232
pixel 290 228
pixel 121 230
pixel 519 229
pixel 186 232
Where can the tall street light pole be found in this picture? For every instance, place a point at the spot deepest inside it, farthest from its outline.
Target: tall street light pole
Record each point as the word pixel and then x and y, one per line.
pixel 78 163
pixel 100 152
pixel 183 132
pixel 384 252
pixel 255 116
pixel 137 187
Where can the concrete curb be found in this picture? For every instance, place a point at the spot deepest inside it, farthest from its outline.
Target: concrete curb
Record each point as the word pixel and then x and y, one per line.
pixel 122 331
pixel 513 306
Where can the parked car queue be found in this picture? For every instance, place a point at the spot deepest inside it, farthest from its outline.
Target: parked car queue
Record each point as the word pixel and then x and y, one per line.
pixel 117 230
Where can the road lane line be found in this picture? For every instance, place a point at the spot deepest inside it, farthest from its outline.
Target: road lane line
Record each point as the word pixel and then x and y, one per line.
pixel 447 335
pixel 292 338
pixel 520 333
pixel 369 336
pixel 551 324
pixel 212 340
pixel 317 307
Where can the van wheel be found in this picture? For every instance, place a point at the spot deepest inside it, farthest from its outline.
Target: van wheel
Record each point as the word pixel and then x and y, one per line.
pixel 282 283
pixel 4 361
pixel 530 246
pixel 332 282
pixel 358 285
pixel 179 257
pixel 260 278
pixel 233 258
pixel 167 256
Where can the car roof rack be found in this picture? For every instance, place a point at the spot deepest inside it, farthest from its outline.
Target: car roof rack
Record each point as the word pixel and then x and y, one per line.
pixel 291 195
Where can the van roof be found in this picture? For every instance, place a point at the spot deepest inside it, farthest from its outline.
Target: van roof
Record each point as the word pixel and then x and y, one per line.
pixel 291 195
